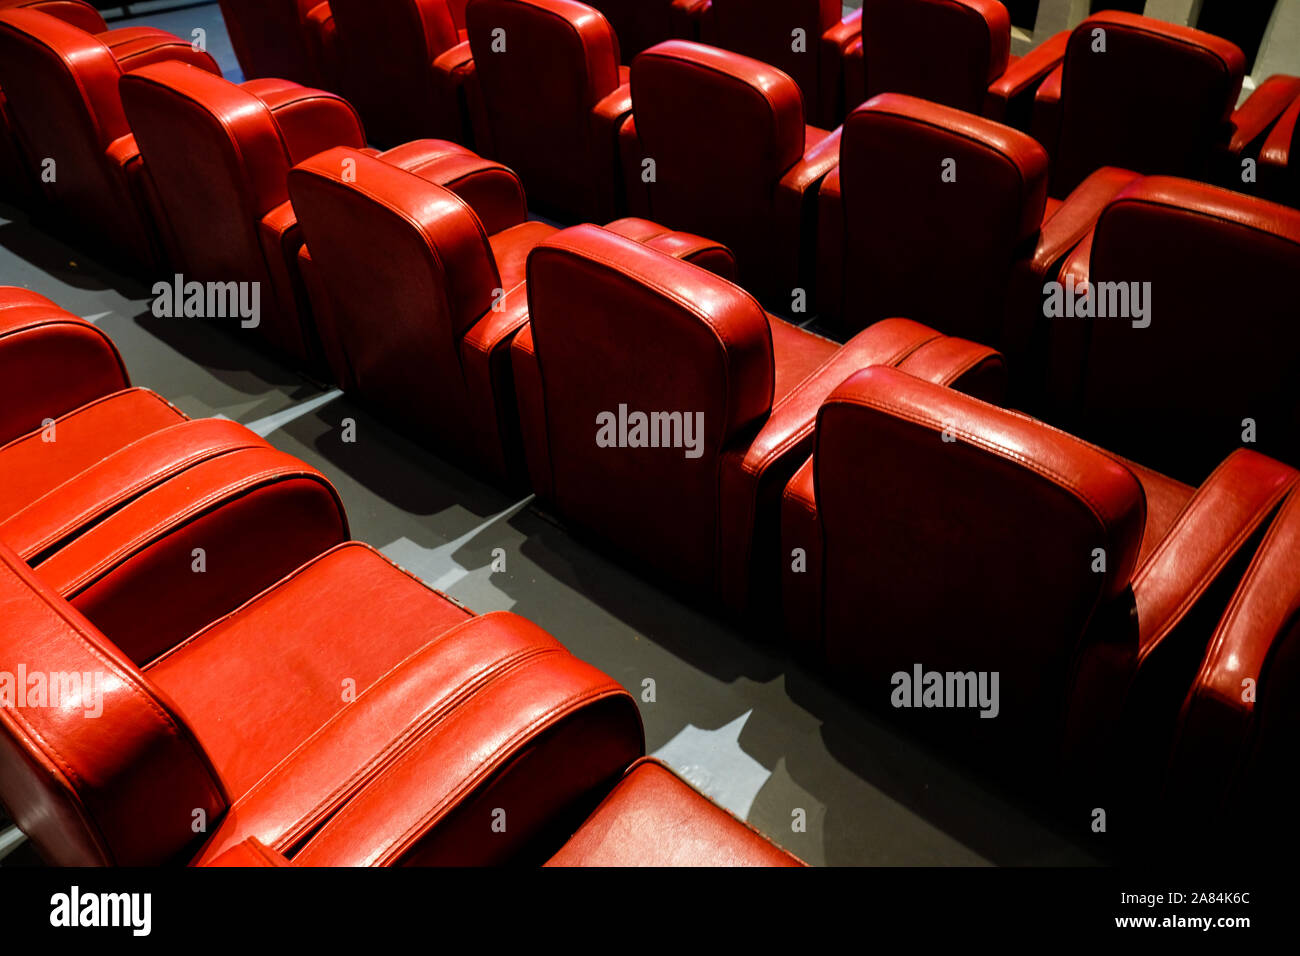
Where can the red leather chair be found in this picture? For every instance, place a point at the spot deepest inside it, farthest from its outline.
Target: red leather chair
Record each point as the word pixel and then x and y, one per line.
pixel 447 272
pixel 60 85
pixel 218 155
pixel 402 63
pixel 953 52
pixel 766 31
pixel 943 216
pixel 77 12
pixel 722 137
pixel 650 334
pixel 551 103
pixel 995 544
pixel 273 38
pixel 1207 253
pixel 370 752
pixel 1160 99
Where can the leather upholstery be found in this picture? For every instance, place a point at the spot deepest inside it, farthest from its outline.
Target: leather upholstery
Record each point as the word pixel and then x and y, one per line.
pixel 700 347
pixel 1208 253
pixel 271 38
pixel 1279 167
pixel 1158 100
pixel 550 104
pixel 76 12
pixel 61 88
pixel 653 818
pixel 388 54
pixel 945 51
pixel 903 224
pixel 765 30
pixel 984 538
pixel 219 155
pixel 51 362
pixel 732 157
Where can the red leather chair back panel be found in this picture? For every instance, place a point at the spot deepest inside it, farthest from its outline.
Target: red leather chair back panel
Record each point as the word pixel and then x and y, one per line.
pixel 619 328
pixel 270 39
pixel 764 29
pixel 937 204
pixel 973 549
pixel 560 59
pixel 946 51
pixel 1155 101
pixel 722 130
pixel 409 270
pixel 1222 344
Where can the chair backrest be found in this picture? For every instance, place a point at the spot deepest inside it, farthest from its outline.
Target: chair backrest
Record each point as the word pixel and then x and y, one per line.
pixel 1142 94
pixel 386 52
pixel 960 537
pixel 650 367
pixel 946 51
pixel 1210 336
pixel 784 33
pixel 937 204
pixel 639 24
pixel 559 59
pixel 408 270
pixel 722 129
pixel 61 86
pixel 270 40
pixel 95 766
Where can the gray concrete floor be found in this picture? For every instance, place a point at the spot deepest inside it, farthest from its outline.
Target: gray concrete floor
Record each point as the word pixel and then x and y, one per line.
pixel 760 734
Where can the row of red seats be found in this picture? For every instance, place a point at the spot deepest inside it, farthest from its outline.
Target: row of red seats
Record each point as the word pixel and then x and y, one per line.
pixel 1149 96
pixel 858 224
pixel 205 637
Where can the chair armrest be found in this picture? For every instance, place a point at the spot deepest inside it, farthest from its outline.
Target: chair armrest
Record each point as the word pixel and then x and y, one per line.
pixel 1275 156
pixel 52 362
pixel 794 206
pixel 697 250
pixel 754 477
pixel 960 364
pixel 1022 78
pixel 685 18
pixel 1045 121
pixel 492 190
pixel 607 118
pixel 830 81
pixel 1256 116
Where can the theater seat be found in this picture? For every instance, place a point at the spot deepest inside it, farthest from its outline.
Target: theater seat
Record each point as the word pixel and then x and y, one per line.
pixel 218 155
pixel 1208 383
pixel 717 145
pixel 943 216
pixel 549 104
pixel 369 751
pixel 449 280
pixel 272 39
pixel 61 91
pixel 995 544
pixel 653 818
pixel 734 392
pixel 402 64
pixel 1157 98
pixel 806 40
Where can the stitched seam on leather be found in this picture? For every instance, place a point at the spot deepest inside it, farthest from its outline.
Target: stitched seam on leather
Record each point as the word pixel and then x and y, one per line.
pixel 999 450
pixel 127 494
pixel 570 705
pixel 418 727
pixel 127 679
pixel 199 509
pixel 99 401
